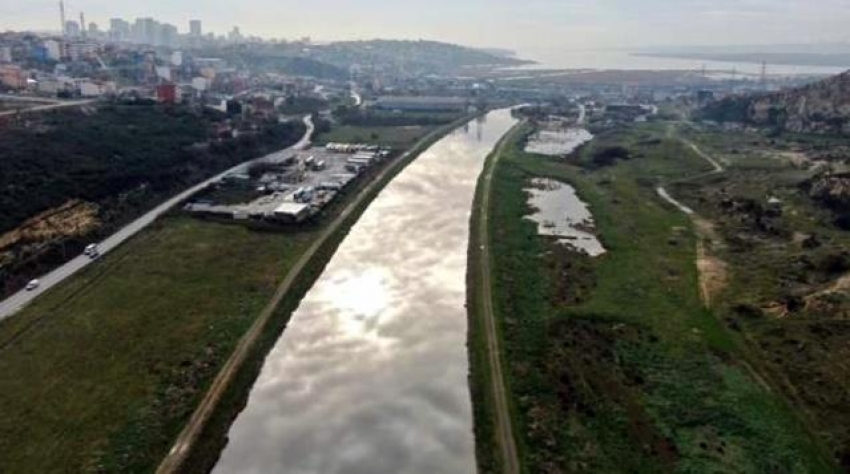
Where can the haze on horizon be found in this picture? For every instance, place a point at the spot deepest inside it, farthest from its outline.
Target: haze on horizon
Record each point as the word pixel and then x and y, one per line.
pixel 527 27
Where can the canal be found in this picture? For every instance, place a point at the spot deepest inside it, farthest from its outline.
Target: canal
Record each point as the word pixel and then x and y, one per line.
pixel 370 376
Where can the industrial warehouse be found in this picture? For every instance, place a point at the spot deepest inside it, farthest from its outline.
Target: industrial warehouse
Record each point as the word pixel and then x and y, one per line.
pixel 287 187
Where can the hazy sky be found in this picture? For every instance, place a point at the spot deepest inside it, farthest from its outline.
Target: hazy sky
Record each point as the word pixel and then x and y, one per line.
pixel 524 25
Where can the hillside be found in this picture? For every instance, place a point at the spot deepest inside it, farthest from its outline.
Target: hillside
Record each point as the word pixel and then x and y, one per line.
pixel 412 57
pixel 822 107
pixel 73 176
pixel 336 60
pixel 278 59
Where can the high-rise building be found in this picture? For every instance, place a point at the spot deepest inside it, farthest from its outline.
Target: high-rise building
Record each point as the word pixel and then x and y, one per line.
pixel 166 35
pixel 145 30
pixel 72 28
pixel 119 30
pixel 235 35
pixel 195 28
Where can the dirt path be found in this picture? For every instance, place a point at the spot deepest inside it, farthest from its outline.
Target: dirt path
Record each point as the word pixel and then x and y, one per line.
pixel 175 459
pixel 718 168
pixel 504 426
pixel 712 270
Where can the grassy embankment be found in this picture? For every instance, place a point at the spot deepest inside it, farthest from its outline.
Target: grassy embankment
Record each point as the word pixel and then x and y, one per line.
pixel 395 137
pixel 614 363
pixel 102 372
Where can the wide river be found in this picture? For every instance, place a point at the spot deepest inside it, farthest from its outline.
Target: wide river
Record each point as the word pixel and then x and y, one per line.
pixel 370 376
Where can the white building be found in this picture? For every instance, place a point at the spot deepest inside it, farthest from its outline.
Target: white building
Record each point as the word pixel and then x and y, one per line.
pixel 48 86
pixel 54 49
pixel 200 84
pixel 163 72
pixel 90 89
pixel 77 51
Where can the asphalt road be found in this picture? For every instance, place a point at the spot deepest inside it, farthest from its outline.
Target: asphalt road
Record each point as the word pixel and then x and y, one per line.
pixel 26 98
pixel 42 108
pixel 17 301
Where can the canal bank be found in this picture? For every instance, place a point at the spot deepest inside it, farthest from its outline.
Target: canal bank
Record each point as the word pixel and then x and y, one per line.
pixel 371 373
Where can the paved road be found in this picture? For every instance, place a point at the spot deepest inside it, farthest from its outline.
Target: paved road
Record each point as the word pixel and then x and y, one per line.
pixel 43 108
pixel 26 98
pixel 17 301
pixel 504 424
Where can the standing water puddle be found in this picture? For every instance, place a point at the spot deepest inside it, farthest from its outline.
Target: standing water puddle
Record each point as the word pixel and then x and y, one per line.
pixel 371 374
pixel 560 213
pixel 557 143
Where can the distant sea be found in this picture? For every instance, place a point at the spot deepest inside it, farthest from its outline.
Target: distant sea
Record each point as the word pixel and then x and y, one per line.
pixel 614 59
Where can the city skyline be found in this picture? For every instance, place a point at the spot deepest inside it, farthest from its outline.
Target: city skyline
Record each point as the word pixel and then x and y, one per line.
pixel 535 25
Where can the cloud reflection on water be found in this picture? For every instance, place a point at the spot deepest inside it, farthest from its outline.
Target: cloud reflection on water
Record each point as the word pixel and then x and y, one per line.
pixel 370 376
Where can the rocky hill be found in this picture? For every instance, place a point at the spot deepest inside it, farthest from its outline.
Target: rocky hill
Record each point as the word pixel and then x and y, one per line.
pixel 822 107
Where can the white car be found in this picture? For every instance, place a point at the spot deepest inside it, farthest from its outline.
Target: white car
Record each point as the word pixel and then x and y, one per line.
pixel 91 250
pixel 33 284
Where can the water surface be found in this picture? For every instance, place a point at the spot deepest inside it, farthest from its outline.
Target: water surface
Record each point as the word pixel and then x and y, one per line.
pixel 370 376
pixel 560 58
pixel 557 143
pixel 561 214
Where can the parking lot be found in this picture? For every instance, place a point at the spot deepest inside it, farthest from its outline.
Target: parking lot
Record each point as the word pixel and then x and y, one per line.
pixel 289 186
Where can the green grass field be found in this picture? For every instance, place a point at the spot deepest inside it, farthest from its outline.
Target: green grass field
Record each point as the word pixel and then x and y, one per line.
pixel 614 363
pixel 784 293
pixel 395 137
pixel 102 372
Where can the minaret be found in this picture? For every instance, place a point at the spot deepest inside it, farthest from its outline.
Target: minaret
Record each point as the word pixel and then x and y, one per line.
pixel 62 16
